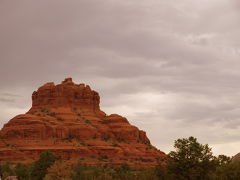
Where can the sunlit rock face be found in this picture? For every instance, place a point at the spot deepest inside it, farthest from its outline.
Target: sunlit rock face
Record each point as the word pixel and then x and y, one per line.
pixel 66 94
pixel 66 119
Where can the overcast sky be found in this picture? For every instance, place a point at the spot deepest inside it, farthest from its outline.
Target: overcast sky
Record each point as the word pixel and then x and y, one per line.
pixel 171 67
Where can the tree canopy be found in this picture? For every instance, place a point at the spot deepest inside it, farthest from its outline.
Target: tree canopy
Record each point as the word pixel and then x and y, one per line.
pixel 40 167
pixel 191 160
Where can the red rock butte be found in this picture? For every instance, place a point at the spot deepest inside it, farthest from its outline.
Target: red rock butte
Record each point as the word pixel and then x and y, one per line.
pixel 66 119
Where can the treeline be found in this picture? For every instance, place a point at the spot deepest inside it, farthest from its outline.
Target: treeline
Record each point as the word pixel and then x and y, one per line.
pixel 190 161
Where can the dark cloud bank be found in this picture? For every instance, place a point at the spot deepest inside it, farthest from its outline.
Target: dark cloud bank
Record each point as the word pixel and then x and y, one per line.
pixel 171 67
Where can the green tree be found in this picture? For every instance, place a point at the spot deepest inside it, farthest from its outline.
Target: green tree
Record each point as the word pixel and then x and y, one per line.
pixel 124 172
pixel 161 170
pixel 230 171
pixel 58 171
pixel 22 171
pixel 7 169
pixel 147 174
pixel 191 160
pixel 83 171
pixel 40 167
pixel 223 160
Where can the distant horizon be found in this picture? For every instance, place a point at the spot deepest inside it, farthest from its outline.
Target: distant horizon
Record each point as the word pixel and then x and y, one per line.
pixel 170 67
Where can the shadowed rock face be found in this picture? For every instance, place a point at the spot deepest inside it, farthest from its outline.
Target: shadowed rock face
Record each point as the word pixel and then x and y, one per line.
pixel 66 119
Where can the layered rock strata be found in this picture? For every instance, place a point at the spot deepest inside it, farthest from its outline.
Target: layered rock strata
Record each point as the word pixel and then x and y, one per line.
pixel 66 119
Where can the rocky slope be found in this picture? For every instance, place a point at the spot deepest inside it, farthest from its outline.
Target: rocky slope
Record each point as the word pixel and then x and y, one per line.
pixel 236 158
pixel 66 119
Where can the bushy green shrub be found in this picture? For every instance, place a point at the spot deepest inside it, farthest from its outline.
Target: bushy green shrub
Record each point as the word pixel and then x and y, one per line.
pixel 23 171
pixel 40 167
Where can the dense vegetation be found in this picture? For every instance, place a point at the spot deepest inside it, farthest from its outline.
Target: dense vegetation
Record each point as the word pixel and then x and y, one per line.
pixel 190 161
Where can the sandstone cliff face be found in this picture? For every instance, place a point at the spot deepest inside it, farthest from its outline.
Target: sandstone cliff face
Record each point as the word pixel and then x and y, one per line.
pixel 66 119
pixel 66 94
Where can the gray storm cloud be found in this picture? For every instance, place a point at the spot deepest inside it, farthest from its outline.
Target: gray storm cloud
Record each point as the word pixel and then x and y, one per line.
pixel 171 67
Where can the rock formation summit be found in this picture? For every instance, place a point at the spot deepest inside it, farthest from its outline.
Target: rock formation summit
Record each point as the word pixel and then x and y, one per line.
pixel 66 119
